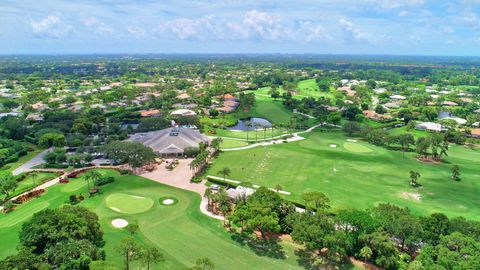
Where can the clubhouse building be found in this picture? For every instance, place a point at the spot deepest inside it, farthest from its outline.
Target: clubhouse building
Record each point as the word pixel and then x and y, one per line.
pixel 170 142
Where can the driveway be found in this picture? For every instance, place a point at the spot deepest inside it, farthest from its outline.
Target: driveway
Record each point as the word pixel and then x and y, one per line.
pixel 36 160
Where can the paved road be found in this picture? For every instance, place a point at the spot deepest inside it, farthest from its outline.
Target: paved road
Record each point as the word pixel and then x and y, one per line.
pixel 36 160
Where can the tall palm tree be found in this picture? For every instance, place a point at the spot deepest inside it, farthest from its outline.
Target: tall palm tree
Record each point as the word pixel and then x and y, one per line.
pixel 249 125
pixel 273 126
pixel 208 194
pixel 92 176
pixel 256 125
pixel 225 172
pixel 33 175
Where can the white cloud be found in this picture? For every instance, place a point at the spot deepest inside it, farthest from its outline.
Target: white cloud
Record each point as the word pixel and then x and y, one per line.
pixel 136 31
pixel 51 26
pixel 392 4
pixel 185 28
pixel 354 31
pixel 96 25
pixel 265 26
pixel 312 32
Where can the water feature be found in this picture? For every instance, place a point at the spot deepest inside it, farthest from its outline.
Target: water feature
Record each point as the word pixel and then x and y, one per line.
pixel 255 123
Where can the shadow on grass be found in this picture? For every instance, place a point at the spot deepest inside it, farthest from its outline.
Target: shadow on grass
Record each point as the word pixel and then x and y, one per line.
pixel 269 247
pixel 313 261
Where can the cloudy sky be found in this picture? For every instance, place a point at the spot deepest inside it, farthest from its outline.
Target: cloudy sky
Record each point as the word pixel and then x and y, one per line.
pixel 417 27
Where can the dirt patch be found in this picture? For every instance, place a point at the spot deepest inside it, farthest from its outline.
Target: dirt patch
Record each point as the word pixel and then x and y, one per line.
pixel 364 265
pixel 428 160
pixel 411 196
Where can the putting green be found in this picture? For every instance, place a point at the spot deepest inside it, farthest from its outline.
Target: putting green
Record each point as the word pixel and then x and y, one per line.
pixel 356 147
pixel 128 204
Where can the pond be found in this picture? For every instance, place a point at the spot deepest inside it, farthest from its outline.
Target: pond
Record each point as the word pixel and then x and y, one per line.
pixel 251 124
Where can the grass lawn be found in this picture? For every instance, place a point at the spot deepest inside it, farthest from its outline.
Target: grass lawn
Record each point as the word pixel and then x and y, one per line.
pixel 361 175
pixel 252 134
pixel 309 88
pixel 229 143
pixel 180 231
pixel 29 182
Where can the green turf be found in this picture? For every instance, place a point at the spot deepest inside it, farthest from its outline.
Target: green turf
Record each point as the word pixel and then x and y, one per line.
pixel 29 182
pixel 230 143
pixel 357 147
pixel 180 231
pixel 361 180
pixel 128 204
pixel 309 88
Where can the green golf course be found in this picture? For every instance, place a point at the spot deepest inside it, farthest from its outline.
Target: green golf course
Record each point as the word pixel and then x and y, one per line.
pixel 360 175
pixel 180 230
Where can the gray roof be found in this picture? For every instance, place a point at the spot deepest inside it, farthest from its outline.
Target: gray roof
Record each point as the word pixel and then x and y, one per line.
pixel 170 140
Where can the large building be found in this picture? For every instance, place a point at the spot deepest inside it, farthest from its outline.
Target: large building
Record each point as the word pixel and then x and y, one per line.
pixel 170 142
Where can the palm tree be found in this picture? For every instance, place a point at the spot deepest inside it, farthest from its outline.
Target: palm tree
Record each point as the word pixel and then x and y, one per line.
pixel 256 125
pixel 225 172
pixel 208 194
pixel 273 127
pixel 249 125
pixel 33 175
pixel 92 176
pixel 278 188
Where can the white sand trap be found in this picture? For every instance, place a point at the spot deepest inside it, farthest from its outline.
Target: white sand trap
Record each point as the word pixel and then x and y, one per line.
pixel 119 223
pixel 351 140
pixel 411 196
pixel 333 145
pixel 115 209
pixel 168 201
pixel 138 197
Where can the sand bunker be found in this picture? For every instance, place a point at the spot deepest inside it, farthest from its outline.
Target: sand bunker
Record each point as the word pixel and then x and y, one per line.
pixel 119 223
pixel 168 201
pixel 411 196
pixel 333 145
pixel 351 140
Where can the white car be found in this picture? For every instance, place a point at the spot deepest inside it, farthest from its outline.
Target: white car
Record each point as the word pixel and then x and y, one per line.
pixel 215 187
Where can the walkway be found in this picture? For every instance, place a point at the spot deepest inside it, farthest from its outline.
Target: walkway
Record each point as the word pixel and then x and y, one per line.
pixel 295 137
pixel 180 178
pixel 35 161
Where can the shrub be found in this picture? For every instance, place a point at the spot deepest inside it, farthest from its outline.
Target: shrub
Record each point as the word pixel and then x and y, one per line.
pixel 28 196
pixel 125 172
pixel 73 199
pixel 191 151
pixel 8 207
pixel 104 181
pixel 63 180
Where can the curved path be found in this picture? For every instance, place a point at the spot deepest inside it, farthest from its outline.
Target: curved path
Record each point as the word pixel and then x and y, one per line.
pixel 295 137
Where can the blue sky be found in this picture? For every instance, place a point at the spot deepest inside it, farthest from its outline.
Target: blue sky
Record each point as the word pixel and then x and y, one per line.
pixel 417 27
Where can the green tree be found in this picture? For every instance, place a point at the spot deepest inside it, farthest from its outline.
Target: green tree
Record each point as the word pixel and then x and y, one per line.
pixel 203 264
pixel 351 127
pixel 91 177
pixel 225 172
pixel 366 253
pixel 413 178
pixel 405 140
pixel 52 139
pixel 316 200
pixel 134 153
pixel 149 256
pixel 456 172
pixel 7 184
pixel 51 226
pixel 129 250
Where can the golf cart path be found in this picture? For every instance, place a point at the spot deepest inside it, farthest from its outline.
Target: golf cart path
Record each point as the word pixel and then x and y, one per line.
pixel 180 178
pixel 36 160
pixel 295 137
